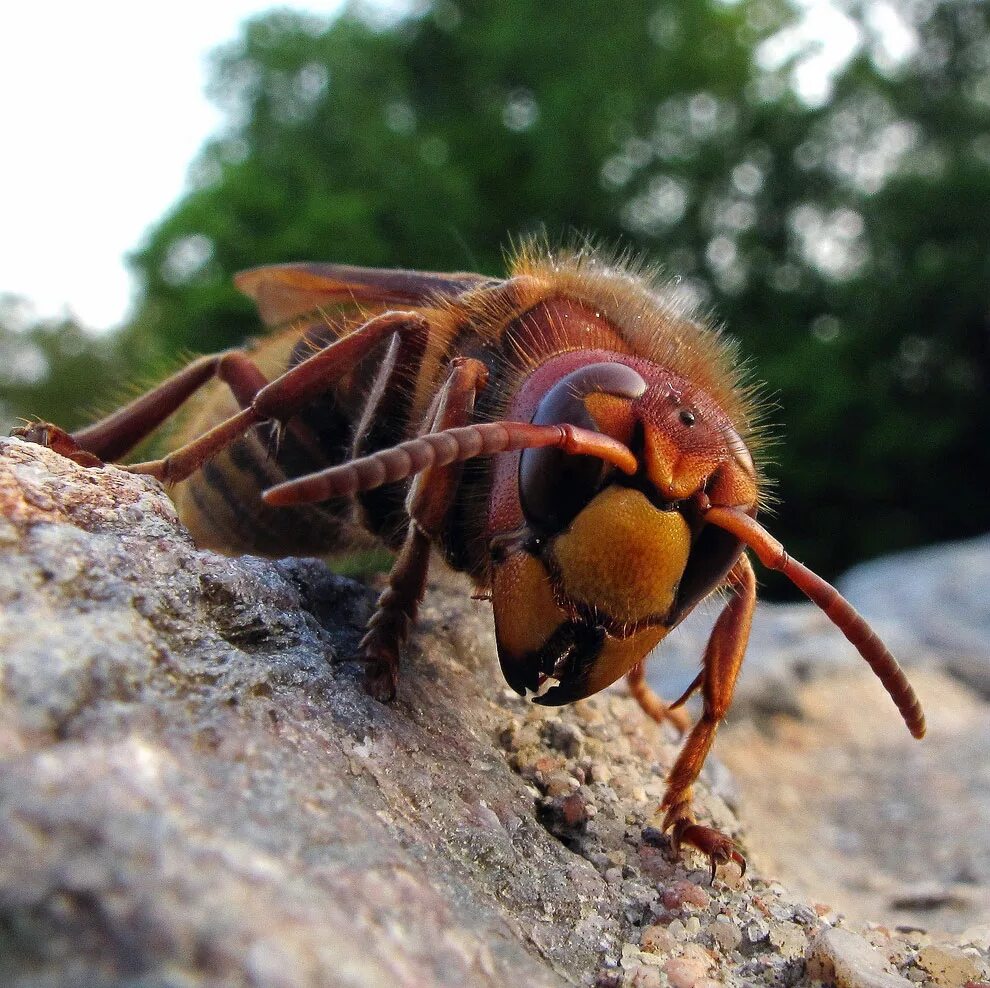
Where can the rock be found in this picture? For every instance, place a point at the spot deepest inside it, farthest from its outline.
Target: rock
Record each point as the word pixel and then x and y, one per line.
pixel 847 808
pixel 843 805
pixel 933 603
pixel 789 938
pixel 949 967
pixel 196 790
pixel 844 959
pixel 686 972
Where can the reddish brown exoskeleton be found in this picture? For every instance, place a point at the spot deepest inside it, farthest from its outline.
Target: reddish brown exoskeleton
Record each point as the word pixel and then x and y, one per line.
pixel 567 436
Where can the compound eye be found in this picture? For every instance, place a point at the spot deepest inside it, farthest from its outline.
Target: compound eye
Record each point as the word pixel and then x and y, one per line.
pixel 554 486
pixel 739 451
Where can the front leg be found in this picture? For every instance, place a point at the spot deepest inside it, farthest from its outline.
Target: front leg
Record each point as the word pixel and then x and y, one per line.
pixel 722 661
pixel 430 498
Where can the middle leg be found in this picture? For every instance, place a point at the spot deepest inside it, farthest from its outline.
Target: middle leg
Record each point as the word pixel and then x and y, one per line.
pixel 652 703
pixel 430 497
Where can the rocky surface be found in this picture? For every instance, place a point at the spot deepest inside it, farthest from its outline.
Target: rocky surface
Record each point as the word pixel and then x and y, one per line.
pixel 195 789
pixel 838 800
pixel 933 604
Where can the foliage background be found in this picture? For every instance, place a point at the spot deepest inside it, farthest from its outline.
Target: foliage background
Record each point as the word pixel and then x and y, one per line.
pixel 845 243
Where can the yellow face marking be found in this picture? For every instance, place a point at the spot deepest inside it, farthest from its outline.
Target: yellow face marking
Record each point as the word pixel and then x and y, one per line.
pixel 522 599
pixel 619 655
pixel 622 556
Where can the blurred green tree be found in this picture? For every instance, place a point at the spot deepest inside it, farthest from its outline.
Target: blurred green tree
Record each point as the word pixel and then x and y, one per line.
pixel 56 369
pixel 429 142
pixel 884 294
pixel 844 242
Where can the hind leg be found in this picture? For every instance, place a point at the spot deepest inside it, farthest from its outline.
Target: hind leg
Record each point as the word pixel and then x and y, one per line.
pixel 114 436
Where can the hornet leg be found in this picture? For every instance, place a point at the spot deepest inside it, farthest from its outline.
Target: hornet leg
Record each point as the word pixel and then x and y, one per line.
pixel 430 497
pixel 652 703
pixel 114 436
pixel 723 658
pixel 282 398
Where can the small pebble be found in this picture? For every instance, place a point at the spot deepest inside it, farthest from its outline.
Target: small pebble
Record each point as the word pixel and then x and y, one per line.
pixel 560 784
pixel 653 863
pixel 756 930
pixel 696 951
pixel 643 977
pixel 563 736
pixel 842 958
pixel 685 972
pixel 545 766
pixel 949 967
pixel 598 859
pixel 685 893
pixel 573 810
pixel 724 934
pixel 630 956
pixel 657 940
pixel 609 979
pixel 789 939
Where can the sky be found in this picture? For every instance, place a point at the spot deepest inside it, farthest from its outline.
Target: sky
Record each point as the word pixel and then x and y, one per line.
pixel 103 109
